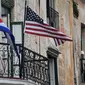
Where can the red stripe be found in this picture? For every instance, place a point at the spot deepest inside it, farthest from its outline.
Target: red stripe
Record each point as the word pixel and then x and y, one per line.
pixel 46 35
pixel 62 41
pixel 1 20
pixel 47 28
pixel 42 30
pixel 39 25
pixel 55 41
pixel 58 41
pixel 38 34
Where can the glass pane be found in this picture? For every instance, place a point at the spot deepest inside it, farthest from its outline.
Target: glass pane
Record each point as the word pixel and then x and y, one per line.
pixel 52 3
pixel 83 38
pixel 5 11
pixel 17 32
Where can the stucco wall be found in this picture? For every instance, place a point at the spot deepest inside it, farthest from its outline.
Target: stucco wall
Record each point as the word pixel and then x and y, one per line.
pixel 40 44
pixel 17 13
pixel 77 39
pixel 66 68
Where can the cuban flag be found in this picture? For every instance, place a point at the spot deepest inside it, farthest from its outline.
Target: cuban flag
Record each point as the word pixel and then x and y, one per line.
pixel 9 35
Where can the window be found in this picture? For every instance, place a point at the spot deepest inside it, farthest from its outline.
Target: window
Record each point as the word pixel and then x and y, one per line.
pixel 52 14
pixel 82 56
pixel 51 3
pixel 17 30
pixel 82 37
pixel 75 9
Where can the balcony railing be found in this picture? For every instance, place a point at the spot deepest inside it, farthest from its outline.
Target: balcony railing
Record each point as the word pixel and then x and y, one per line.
pixel 33 66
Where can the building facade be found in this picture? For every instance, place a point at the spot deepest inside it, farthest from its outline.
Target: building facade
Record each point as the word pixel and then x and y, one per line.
pixel 61 64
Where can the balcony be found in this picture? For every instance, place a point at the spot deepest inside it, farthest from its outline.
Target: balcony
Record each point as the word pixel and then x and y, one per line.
pixel 30 66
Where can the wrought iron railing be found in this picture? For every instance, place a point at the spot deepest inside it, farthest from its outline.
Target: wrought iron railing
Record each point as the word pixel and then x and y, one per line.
pixel 36 67
pixel 31 66
pixel 8 61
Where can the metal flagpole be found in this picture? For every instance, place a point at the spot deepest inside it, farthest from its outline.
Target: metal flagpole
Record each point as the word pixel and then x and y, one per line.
pixel 39 36
pixel 22 56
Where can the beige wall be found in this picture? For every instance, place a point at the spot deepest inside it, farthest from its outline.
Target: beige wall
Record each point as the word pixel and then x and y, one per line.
pixel 67 24
pixel 77 38
pixel 66 68
pixel 18 10
pixel 40 44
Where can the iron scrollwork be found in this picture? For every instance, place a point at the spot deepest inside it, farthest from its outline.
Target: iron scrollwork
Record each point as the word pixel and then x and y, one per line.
pixel 35 66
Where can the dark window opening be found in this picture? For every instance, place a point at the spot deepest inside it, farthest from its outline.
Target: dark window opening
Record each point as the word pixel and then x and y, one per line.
pixel 82 62
pixel 52 14
pixel 82 37
pixel 52 56
pixel 75 9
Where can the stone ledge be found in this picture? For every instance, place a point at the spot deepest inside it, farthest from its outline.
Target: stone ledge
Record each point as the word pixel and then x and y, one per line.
pixel 6 81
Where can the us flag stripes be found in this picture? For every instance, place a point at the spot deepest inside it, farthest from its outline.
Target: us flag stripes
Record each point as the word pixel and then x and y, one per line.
pixel 36 26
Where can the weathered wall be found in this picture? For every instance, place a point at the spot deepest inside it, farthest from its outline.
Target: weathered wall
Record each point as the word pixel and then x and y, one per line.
pixel 66 68
pixel 77 39
pixel 18 10
pixel 76 47
pixel 40 44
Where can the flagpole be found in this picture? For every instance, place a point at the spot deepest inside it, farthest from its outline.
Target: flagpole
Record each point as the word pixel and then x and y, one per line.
pixel 39 36
pixel 22 57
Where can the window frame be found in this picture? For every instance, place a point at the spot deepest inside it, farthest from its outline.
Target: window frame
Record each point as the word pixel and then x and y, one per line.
pixel 22 28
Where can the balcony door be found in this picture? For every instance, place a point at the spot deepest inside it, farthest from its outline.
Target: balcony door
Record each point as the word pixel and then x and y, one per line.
pixel 53 69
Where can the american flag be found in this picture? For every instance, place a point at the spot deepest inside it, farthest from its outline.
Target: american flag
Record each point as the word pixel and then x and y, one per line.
pixel 36 26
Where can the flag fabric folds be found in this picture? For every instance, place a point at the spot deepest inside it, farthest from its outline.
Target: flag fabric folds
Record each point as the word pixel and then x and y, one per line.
pixel 35 25
pixel 9 35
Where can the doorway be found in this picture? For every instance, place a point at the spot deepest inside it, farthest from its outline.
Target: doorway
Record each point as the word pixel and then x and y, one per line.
pixel 52 56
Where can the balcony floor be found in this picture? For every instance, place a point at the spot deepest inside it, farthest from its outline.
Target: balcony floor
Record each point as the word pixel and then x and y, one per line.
pixel 6 81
